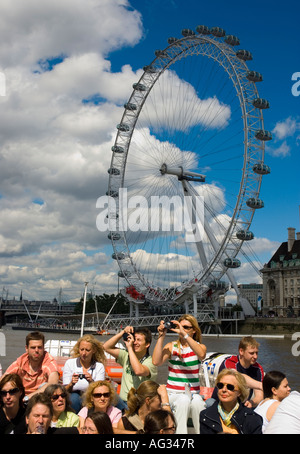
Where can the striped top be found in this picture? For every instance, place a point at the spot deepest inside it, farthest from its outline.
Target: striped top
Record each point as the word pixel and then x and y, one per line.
pixel 184 368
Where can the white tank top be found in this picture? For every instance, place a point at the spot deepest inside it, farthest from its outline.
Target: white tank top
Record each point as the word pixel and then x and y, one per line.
pixel 262 409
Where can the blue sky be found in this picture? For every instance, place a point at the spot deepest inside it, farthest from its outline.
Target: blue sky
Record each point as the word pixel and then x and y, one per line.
pixel 66 83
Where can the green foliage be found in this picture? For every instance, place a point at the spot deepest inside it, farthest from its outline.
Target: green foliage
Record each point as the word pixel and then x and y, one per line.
pixel 104 303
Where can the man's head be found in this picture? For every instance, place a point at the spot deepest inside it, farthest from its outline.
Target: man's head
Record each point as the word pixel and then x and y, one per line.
pixel 39 413
pixel 142 340
pixel 248 351
pixel 35 346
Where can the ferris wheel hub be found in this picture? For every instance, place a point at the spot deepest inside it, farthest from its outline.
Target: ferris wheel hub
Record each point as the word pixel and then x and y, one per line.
pixel 182 174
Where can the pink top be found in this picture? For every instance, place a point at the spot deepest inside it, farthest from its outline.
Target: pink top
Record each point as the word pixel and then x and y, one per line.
pixel 113 412
pixel 32 380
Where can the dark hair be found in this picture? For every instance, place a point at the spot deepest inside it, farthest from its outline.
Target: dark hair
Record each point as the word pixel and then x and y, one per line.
pixel 157 420
pixel 36 335
pixel 146 332
pixel 50 390
pixel 102 422
pixel 39 398
pixel 16 379
pixel 272 380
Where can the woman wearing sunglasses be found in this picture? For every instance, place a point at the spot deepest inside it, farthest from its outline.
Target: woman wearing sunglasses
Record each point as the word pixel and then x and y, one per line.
pixel 63 414
pixel 230 415
pixel 12 409
pixel 184 358
pixel 100 396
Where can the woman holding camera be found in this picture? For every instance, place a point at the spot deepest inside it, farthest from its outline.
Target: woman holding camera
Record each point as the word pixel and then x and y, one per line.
pixel 85 366
pixel 184 357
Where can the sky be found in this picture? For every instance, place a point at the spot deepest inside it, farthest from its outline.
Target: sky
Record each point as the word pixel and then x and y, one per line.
pixel 67 68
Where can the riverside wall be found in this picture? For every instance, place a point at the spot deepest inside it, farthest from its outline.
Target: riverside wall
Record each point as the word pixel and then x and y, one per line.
pixel 269 326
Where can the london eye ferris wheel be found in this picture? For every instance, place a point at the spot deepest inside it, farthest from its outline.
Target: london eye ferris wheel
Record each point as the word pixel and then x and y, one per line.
pixel 186 168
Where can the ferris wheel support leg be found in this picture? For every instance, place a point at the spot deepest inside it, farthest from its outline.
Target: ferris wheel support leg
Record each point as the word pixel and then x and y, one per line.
pixel 195 304
pixel 137 313
pixel 246 306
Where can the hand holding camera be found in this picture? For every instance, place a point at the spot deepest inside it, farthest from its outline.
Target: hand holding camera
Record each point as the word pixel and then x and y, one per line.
pixel 128 334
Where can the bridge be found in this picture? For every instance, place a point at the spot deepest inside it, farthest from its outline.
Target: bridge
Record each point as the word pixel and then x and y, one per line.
pixel 36 309
pixel 209 318
pixel 208 321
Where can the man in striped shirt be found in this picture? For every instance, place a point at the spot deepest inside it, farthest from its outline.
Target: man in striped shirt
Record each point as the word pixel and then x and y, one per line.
pixel 184 359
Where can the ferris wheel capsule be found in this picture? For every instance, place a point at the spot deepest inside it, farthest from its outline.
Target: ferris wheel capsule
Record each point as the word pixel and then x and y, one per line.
pixel 261 103
pixel 244 235
pixel 114 236
pixel 187 32
pixel 261 169
pixel 232 263
pixel 232 40
pixel 263 135
pixel 255 203
pixel 254 76
pixel 118 256
pixel 244 55
pixel 218 32
pixel 117 149
pixel 203 30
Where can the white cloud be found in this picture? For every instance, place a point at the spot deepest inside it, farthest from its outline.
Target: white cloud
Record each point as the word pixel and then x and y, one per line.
pixel 57 126
pixel 285 128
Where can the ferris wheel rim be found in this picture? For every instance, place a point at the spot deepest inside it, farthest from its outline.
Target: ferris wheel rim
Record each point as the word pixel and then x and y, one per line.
pixel 139 87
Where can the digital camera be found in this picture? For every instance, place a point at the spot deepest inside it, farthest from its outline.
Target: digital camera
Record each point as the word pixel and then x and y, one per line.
pixel 125 336
pixel 170 325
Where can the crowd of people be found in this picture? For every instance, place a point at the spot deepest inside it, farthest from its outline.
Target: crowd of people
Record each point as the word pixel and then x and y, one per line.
pixel 36 399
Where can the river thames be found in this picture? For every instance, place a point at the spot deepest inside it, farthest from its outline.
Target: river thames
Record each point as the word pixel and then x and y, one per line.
pixel 274 353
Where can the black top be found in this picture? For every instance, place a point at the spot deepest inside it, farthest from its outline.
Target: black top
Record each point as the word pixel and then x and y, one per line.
pixel 17 425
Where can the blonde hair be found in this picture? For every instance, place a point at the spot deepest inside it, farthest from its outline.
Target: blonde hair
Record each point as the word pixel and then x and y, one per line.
pixel 87 397
pixel 248 341
pixel 197 336
pixel 137 397
pixel 241 381
pixel 98 350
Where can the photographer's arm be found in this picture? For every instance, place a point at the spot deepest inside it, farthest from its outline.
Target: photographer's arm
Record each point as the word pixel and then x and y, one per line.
pixel 110 345
pixel 139 369
pixel 161 354
pixel 199 349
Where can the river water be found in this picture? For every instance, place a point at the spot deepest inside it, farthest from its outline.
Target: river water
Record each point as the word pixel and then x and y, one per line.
pixel 274 353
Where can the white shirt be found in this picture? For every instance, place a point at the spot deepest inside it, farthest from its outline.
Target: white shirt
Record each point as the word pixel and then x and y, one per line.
pixel 73 365
pixel 286 419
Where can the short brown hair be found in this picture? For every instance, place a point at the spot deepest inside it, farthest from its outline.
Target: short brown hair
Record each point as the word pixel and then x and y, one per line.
pixel 36 335
pixel 248 341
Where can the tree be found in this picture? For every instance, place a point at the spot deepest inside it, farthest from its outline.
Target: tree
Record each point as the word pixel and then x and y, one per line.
pixel 104 303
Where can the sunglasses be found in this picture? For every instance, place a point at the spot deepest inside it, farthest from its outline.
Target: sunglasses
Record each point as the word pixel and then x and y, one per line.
pixel 173 428
pixel 11 392
pixel 56 396
pixel 187 327
pixel 98 395
pixel 227 385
